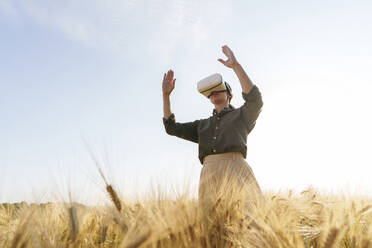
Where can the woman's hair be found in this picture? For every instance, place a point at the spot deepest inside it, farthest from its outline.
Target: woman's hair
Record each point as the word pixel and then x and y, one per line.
pixel 231 106
pixel 229 92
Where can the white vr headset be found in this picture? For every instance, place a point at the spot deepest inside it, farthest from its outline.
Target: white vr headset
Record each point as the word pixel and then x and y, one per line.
pixel 213 83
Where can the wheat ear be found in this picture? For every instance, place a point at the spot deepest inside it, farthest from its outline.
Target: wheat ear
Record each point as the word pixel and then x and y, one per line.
pixel 114 197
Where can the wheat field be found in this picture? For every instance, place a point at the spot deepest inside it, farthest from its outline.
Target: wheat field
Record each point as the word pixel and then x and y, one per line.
pixel 307 219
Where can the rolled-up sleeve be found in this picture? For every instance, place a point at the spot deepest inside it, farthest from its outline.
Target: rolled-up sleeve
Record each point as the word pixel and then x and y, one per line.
pixel 252 107
pixel 187 130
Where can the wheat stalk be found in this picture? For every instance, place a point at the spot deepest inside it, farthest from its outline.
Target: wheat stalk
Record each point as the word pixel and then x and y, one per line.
pixel 366 243
pixel 142 239
pixel 74 224
pixel 331 238
pixel 21 232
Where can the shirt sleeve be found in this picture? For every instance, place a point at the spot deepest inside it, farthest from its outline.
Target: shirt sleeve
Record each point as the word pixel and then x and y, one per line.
pixel 252 107
pixel 187 130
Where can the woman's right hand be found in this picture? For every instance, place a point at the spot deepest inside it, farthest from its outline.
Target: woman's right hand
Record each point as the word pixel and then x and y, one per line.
pixel 168 83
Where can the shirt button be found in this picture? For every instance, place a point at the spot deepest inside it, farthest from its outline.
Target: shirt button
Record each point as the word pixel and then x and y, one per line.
pixel 214 137
pixel 216 127
pixel 214 150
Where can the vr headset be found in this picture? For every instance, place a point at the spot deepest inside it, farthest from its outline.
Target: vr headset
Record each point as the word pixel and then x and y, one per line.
pixel 211 84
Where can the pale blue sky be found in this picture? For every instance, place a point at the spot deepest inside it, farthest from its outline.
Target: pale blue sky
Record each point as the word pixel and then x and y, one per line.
pixel 93 69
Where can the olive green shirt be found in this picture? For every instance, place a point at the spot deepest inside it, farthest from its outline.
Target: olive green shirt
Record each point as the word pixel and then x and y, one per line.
pixel 226 131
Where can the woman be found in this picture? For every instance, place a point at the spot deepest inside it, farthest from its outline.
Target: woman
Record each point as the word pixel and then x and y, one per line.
pixel 222 140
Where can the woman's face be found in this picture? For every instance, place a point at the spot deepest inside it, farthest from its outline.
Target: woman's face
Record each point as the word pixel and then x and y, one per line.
pixel 219 98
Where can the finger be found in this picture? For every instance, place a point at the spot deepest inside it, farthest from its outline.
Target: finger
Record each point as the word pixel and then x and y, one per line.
pixel 226 51
pixel 164 76
pixel 174 82
pixel 222 61
pixel 168 75
pixel 226 47
pixel 230 51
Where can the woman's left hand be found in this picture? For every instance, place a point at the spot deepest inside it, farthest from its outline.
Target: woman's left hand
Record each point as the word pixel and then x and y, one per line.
pixel 231 61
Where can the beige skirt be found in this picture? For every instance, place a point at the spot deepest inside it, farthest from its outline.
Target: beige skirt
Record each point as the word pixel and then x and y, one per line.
pixel 228 177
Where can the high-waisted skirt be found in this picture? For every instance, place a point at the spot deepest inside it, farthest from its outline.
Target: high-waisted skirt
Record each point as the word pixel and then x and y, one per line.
pixel 228 177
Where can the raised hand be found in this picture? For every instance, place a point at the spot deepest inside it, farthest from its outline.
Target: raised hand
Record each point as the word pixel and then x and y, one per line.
pixel 231 60
pixel 168 83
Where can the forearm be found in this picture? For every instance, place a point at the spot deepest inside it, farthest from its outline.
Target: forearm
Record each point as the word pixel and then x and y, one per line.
pixel 245 82
pixel 166 106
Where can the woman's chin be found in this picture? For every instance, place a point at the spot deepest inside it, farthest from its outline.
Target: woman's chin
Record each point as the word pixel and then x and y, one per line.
pixel 218 101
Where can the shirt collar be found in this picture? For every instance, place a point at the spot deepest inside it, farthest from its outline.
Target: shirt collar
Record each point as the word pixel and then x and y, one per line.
pixel 223 111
